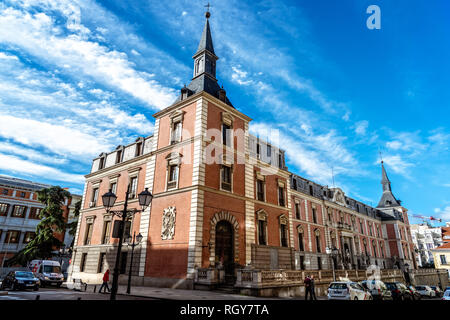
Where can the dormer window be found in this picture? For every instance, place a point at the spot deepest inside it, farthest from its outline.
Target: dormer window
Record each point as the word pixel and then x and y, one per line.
pixel 138 149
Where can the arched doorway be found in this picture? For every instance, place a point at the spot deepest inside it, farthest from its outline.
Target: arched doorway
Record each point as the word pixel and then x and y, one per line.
pixel 224 253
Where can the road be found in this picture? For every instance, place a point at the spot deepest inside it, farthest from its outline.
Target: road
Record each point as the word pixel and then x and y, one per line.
pixel 62 294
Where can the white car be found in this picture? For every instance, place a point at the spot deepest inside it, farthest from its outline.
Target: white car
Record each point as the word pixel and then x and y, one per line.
pixel 347 291
pixel 446 295
pixel 426 291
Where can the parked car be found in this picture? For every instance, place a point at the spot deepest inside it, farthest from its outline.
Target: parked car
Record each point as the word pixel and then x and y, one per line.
pixel 438 291
pixel 426 291
pixel 415 293
pixel 399 291
pixel 347 291
pixel 20 280
pixel 377 289
pixel 446 295
pixel 47 271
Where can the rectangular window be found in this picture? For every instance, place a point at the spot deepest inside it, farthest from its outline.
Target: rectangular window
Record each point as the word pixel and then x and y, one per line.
pixel 19 211
pixel 361 227
pixel 258 149
pixel 226 178
pixel 133 188
pixel 300 242
pixel 83 262
pixel 173 177
pixel 34 213
pixel 226 134
pixel 269 151
pixel 311 190
pixel 284 242
pixel 106 232
pixel 94 197
pixel 262 232
pixel 280 161
pixel 319 263
pixel 370 230
pixel 5 192
pixel 138 149
pixel 318 244
pixel 101 262
pixel 260 189
pixel 4 209
pixel 22 194
pixel 12 236
pixel 443 259
pixel 281 196
pixel 123 263
pixel 119 156
pixel 302 262
pixel 294 184
pixel 101 164
pixel 88 234
pixel 28 237
pixel 176 132
pixel 314 214
pixel 113 187
pixel 127 230
pixel 297 211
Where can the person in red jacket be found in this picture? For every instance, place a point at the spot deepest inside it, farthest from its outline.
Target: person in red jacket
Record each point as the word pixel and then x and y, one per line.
pixel 105 282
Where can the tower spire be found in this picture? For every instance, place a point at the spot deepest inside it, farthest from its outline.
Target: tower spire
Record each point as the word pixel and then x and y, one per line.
pixel 387 199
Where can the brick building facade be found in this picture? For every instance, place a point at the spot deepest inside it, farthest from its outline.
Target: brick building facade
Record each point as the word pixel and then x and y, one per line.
pixel 224 198
pixel 19 214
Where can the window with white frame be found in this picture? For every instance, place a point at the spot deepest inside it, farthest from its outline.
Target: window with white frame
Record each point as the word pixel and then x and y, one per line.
pixel 176 126
pixel 318 242
pixel 283 231
pixel 262 227
pixel 260 187
pixel 173 170
pixel 133 187
pixel 225 177
pixel 301 240
pixel 227 125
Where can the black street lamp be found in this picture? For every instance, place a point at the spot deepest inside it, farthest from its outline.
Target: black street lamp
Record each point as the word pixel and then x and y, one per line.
pixel 333 253
pixel 136 240
pixel 108 199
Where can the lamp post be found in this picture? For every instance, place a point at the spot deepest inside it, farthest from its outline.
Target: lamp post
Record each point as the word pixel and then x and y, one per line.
pixel 333 253
pixel 136 240
pixel 108 199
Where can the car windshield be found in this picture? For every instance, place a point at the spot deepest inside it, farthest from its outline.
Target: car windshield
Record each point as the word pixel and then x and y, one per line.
pixel 52 269
pixel 420 288
pixel 447 293
pixel 24 275
pixel 338 286
pixel 391 286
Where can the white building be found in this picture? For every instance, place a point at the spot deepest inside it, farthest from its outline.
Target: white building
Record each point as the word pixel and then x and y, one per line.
pixel 425 239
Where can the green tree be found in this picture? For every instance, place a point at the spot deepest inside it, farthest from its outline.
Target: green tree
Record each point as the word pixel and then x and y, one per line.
pixel 51 221
pixel 72 226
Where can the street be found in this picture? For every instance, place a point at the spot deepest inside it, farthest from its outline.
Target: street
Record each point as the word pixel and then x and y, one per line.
pixel 62 294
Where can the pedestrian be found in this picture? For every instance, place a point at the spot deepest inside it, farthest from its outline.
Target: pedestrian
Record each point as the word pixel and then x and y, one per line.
pixel 307 283
pixel 105 282
pixel 313 291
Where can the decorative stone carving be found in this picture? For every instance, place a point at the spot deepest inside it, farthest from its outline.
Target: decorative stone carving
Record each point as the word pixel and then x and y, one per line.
pixel 168 223
pixel 339 196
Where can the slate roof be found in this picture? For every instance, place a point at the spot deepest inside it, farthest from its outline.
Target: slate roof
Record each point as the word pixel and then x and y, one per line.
pixel 387 198
pixel 206 40
pixel 22 184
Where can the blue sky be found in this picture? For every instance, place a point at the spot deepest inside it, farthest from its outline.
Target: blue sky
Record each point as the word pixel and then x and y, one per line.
pixel 80 77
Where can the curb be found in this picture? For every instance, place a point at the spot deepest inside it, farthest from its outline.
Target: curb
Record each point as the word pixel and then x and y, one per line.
pixel 141 296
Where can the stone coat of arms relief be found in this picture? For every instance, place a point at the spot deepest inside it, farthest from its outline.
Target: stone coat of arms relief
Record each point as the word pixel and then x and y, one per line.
pixel 168 223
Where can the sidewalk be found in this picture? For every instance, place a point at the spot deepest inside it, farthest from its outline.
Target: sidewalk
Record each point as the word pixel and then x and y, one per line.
pixel 180 294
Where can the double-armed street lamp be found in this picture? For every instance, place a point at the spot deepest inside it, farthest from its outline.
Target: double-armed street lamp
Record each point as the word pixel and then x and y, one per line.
pixel 133 242
pixel 108 199
pixel 333 253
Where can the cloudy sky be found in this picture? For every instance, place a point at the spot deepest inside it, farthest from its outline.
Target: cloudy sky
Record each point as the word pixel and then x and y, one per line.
pixel 80 77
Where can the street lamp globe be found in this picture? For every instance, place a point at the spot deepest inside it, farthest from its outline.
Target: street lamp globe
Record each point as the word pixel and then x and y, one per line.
pixel 145 198
pixel 139 238
pixel 109 199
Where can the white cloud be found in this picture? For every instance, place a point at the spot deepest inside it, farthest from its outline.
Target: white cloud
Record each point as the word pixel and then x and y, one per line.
pixel 397 164
pixel 58 138
pixel 444 214
pixel 17 165
pixel 36 33
pixel 30 153
pixel 361 127
pixel 7 56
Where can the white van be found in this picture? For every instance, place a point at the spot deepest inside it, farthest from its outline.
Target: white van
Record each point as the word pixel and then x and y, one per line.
pixel 47 271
